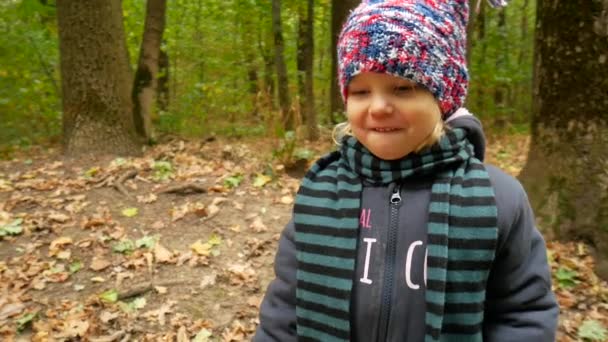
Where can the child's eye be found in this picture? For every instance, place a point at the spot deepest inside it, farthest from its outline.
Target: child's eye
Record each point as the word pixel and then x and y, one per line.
pixel 359 92
pixel 404 90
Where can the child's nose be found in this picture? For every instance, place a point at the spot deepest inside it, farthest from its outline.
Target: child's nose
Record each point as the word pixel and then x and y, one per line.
pixel 380 105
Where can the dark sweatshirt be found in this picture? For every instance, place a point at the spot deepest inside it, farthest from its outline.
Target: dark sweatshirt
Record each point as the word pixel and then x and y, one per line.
pixel 519 306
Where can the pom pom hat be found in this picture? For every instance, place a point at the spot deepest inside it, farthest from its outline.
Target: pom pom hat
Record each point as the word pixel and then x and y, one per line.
pixel 420 40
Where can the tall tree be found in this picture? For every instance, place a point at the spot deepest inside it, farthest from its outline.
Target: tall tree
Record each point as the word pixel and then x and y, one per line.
pixel 305 68
pixel 339 13
pixel 566 175
pixel 95 79
pixel 283 85
pixel 146 83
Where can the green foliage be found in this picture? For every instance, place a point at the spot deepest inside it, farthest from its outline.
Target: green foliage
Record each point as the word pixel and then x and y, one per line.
pixel 221 74
pixel 24 320
pixel 125 246
pixel 13 228
pixel 109 296
pixel 29 73
pixel 163 170
pixel 592 330
pixel 75 266
pixel 566 277
pixel 233 181
pixel 147 241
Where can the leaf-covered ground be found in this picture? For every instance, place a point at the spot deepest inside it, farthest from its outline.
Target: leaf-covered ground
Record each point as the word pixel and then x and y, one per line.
pixel 178 245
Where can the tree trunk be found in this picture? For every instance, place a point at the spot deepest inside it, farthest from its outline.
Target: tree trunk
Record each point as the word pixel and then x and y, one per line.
pixel 566 175
pixel 145 83
pixel 500 87
pixel 162 100
pixel 471 29
pixel 283 85
pixel 301 56
pixel 309 113
pixel 339 13
pixel 481 38
pixel 96 87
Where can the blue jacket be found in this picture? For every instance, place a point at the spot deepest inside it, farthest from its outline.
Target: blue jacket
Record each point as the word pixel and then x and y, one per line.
pixel 520 305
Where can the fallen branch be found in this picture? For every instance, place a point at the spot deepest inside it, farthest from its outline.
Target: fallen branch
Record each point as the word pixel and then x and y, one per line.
pixel 146 287
pixel 184 189
pixel 119 183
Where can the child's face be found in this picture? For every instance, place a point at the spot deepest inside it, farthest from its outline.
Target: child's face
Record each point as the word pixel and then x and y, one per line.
pixel 389 115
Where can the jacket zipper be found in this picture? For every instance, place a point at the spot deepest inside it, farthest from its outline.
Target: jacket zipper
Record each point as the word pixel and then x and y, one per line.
pixel 389 265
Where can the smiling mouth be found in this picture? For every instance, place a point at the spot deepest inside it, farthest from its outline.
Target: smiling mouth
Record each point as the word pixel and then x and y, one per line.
pixel 385 129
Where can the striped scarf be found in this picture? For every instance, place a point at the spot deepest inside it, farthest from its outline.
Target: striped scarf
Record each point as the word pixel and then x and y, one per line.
pixel 462 235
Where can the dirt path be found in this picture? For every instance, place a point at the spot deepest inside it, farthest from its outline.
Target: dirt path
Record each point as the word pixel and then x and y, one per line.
pixel 105 252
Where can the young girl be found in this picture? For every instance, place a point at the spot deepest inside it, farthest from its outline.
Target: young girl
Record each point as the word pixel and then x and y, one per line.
pixel 403 234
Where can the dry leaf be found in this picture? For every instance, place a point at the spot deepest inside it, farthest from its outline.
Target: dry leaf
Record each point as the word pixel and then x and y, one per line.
pixel 287 199
pixel 182 335
pixel 208 280
pixel 177 213
pixel 74 328
pixel 98 264
pixel 58 244
pixel 258 226
pixel 158 225
pixel 59 217
pixel 161 254
pixel 11 310
pixel 107 316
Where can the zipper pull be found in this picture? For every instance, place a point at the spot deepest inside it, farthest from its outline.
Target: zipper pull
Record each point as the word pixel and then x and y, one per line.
pixel 396 196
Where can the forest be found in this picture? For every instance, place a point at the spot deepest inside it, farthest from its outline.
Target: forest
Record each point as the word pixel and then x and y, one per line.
pixel 151 152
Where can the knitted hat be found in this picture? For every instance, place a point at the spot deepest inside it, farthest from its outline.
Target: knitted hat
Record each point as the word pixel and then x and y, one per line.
pixel 420 40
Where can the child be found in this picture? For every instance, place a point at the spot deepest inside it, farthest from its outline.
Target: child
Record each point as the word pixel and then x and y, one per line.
pixel 403 234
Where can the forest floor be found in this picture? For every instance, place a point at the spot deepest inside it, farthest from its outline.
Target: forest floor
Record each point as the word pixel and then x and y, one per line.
pixel 178 245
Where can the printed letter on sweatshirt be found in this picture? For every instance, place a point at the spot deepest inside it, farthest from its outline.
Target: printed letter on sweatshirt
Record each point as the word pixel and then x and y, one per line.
pixel 369 242
pixel 408 265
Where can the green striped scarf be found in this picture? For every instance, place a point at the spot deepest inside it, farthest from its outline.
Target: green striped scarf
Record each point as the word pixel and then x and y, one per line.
pixel 462 235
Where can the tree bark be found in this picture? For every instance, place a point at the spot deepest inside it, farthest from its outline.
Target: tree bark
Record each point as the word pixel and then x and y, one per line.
pixel 305 68
pixel 566 175
pixel 96 87
pixel 283 84
pixel 145 83
pixel 162 99
pixel 339 13
pixel 309 112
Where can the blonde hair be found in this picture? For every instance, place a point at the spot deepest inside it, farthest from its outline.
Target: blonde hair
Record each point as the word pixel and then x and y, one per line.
pixel 430 107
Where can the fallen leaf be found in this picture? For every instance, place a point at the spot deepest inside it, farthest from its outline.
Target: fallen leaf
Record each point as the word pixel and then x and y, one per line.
pixel 182 335
pixel 75 266
pixel 107 316
pixel 261 180
pixel 99 263
pixel 158 225
pixel 24 320
pixel 74 328
pixel 287 199
pixel 110 296
pixel 129 212
pixel 108 338
pixel 202 336
pixel 147 241
pixel 10 310
pixel 162 254
pixel 57 246
pixel 208 280
pixel 59 217
pixel 258 226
